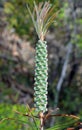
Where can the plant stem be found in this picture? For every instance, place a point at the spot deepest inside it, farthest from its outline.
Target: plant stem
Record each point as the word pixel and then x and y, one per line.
pixel 41 115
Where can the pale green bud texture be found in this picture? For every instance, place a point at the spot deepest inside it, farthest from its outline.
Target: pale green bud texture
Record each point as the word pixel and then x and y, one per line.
pixel 41 75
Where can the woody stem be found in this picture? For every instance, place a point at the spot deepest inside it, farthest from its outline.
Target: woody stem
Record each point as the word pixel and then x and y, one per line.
pixel 41 116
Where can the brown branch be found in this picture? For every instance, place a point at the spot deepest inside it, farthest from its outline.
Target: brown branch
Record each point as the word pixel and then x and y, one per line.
pixel 29 115
pixel 6 119
pixel 66 115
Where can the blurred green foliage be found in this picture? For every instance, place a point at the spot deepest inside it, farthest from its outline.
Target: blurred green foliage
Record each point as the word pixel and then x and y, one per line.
pixel 18 17
pixel 10 120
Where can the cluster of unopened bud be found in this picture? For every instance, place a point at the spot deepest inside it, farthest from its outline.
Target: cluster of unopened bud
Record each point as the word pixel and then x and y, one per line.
pixel 41 75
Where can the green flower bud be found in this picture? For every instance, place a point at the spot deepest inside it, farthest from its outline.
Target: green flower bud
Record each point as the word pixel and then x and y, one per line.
pixel 41 75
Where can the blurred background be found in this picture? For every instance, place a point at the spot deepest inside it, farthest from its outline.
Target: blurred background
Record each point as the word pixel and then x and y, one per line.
pixel 17 50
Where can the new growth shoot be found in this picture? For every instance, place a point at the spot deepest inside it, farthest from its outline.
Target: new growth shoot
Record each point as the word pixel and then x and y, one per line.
pixel 42 16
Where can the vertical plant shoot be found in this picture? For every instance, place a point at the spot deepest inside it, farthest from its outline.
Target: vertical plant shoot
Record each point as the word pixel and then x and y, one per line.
pixel 41 74
pixel 42 17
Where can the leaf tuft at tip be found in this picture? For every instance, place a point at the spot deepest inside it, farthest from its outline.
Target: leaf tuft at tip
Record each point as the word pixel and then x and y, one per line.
pixel 43 16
